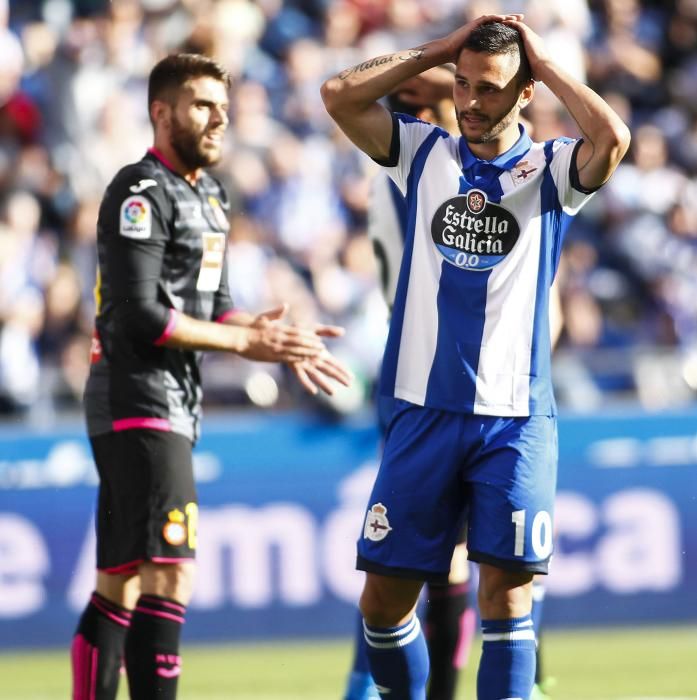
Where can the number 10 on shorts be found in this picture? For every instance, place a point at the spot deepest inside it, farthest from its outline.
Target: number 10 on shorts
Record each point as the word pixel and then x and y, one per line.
pixel 540 535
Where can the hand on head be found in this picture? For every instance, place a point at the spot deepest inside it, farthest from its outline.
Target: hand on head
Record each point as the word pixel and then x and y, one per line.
pixel 456 39
pixel 428 88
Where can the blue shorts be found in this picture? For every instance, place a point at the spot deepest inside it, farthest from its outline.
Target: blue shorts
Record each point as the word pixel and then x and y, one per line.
pixel 440 468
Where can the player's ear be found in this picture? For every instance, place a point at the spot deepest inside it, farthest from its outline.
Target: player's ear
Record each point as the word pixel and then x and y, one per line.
pixel 526 94
pixel 160 112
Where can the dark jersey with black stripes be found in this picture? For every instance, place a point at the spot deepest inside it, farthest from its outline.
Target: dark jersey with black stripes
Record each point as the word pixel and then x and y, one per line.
pixel 161 247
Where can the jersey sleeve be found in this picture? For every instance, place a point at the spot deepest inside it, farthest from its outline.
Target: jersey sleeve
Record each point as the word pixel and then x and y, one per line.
pixel 133 224
pixel 572 195
pixel 408 134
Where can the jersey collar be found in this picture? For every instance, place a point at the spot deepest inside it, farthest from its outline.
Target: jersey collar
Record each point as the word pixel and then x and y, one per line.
pixel 504 161
pixel 155 152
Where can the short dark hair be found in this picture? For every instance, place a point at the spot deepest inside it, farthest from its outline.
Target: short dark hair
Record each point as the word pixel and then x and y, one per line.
pixel 499 38
pixel 170 74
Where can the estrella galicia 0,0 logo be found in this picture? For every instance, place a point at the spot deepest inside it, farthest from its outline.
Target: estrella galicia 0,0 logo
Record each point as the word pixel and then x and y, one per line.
pixel 473 233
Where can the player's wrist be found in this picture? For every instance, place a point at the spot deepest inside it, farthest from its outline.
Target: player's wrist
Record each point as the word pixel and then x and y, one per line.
pixel 445 49
pixel 239 338
pixel 543 68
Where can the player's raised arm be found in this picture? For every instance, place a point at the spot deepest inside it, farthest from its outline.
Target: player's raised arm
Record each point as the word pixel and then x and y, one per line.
pixel 605 136
pixel 351 97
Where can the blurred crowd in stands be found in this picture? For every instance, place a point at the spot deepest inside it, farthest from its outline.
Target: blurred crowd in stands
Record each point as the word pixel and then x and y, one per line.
pixel 73 110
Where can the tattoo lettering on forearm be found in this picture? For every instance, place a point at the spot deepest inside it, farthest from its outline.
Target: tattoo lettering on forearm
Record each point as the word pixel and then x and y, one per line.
pixel 412 54
pixel 367 65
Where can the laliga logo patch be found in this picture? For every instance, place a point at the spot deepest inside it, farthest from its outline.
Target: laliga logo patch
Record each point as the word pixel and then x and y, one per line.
pixel 135 218
pixel 174 530
pixel 473 233
pixel 377 526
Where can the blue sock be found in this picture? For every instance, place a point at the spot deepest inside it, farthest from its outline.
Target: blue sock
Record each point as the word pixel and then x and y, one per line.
pixel 360 682
pixel 507 666
pixel 538 599
pixel 398 659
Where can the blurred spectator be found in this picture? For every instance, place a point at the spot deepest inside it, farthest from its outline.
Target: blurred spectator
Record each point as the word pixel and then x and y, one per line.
pixel 72 82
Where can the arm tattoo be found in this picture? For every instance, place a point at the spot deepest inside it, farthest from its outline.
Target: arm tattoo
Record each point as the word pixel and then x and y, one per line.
pixel 414 54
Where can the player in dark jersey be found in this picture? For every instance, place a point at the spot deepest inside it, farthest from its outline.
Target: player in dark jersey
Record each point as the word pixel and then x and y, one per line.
pixel 161 300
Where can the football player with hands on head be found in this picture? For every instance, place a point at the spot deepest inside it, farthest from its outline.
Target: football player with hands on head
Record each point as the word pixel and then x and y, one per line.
pixel 449 619
pixel 467 361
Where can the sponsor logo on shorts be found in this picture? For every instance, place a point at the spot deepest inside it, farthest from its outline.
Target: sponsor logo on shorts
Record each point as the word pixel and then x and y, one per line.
pixel 135 218
pixel 174 531
pixel 473 233
pixel 377 526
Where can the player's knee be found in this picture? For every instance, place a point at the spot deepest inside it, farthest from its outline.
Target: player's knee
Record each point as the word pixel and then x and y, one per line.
pixel 459 566
pixel 120 589
pixel 504 594
pixel 387 602
pixel 377 610
pixel 174 581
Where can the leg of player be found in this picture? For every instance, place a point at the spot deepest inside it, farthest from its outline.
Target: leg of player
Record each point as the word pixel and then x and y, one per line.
pixel 97 650
pixel 538 598
pixel 507 666
pixel 450 627
pixel 153 663
pixel 360 684
pixel 397 650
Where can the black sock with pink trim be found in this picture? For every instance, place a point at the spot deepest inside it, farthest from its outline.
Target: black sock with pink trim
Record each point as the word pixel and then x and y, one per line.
pixel 153 663
pixel 97 649
pixel 450 627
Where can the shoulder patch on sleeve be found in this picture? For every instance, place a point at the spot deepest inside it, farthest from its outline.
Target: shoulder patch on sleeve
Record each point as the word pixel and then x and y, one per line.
pixel 143 185
pixel 135 218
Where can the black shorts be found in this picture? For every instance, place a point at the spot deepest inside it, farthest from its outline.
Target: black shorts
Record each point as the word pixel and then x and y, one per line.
pixel 147 509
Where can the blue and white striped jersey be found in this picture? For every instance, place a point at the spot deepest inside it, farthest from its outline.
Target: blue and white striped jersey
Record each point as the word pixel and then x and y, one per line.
pixel 387 223
pixel 470 323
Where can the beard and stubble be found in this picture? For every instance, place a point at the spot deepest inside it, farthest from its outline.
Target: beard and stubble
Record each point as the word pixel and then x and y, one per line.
pixel 496 124
pixel 188 145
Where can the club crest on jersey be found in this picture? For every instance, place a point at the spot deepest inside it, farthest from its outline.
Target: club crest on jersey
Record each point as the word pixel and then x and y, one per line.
pixel 473 233
pixel 377 526
pixel 522 171
pixel 135 219
pixel 174 530
pixel 218 213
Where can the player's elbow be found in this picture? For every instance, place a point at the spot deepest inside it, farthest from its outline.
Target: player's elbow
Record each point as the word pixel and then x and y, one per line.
pixel 332 95
pixel 342 100
pixel 140 321
pixel 616 142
